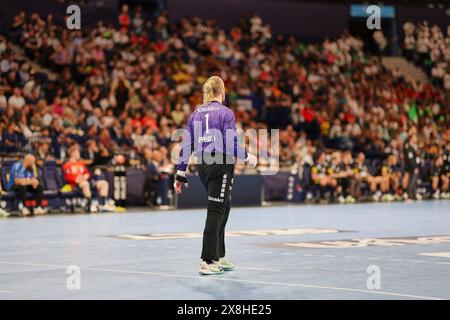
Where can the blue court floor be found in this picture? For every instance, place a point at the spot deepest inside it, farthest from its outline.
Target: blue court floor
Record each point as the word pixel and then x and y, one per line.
pixel 362 251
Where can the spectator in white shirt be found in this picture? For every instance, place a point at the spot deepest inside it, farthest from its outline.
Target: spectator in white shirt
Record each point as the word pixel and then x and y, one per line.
pixel 16 100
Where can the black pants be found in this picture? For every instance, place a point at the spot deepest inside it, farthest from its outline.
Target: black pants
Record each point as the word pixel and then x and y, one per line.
pixel 344 183
pixel 38 193
pixel 412 184
pixel 217 180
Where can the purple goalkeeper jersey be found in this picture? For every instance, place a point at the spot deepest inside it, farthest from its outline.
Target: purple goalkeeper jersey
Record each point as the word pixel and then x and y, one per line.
pixel 211 128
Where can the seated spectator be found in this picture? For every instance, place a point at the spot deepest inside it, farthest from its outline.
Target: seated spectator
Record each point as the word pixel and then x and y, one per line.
pixel 361 175
pixel 24 178
pixel 393 170
pixel 12 138
pixel 90 153
pixel 78 176
pixel 153 176
pixel 439 180
pixel 320 175
pixel 341 170
pixel 43 153
pixel 379 185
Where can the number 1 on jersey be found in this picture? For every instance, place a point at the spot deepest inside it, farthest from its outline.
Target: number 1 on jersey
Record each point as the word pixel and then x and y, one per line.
pixel 207 122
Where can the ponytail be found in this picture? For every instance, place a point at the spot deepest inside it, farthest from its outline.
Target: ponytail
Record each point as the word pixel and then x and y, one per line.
pixel 212 88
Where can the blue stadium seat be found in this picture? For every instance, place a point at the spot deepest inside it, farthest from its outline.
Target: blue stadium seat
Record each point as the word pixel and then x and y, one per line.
pixel 8 196
pixel 50 183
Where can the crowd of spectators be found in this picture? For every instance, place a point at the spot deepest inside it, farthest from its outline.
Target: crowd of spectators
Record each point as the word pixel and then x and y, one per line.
pixel 429 47
pixel 126 87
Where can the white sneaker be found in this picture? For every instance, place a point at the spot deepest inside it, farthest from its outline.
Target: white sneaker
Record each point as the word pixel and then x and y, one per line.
pixel 377 196
pixel 209 269
pixel 341 199
pixel 445 195
pixel 93 208
pixel 419 197
pixel 3 213
pixel 436 195
pixel 39 211
pixel 108 208
pixel 405 196
pixel 225 264
pixel 350 199
pixel 25 211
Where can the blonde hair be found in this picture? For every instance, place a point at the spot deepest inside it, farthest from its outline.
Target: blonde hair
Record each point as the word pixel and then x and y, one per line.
pixel 212 88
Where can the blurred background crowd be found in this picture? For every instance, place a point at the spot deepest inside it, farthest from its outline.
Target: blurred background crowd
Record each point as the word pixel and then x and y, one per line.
pixel 125 87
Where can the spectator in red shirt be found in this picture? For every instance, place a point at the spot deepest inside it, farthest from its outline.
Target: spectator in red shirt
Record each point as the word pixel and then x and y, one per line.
pixel 77 175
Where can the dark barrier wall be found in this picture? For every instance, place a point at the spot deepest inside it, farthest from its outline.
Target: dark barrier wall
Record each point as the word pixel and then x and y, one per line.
pixel 248 190
pixel 276 186
pixel 310 20
pixel 91 12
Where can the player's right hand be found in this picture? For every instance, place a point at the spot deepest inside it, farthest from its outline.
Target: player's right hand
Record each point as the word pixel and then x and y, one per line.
pixel 252 160
pixel 180 179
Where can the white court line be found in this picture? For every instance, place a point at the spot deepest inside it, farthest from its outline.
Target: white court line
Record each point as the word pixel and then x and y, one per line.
pixel 419 261
pixel 6 291
pixel 211 278
pixel 396 260
pixel 10 254
pixel 308 255
pixel 328 256
pixel 352 269
pixel 350 257
pixel 267 252
pixel 253 268
pixel 372 259
pixel 436 254
pixel 287 253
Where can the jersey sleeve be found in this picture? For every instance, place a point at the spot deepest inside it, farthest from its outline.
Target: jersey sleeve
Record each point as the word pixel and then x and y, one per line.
pixel 230 135
pixel 187 146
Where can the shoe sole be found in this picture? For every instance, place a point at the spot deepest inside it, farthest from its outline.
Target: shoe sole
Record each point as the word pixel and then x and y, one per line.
pixel 228 269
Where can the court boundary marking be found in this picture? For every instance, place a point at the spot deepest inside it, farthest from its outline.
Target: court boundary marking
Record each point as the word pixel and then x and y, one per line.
pixel 213 278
